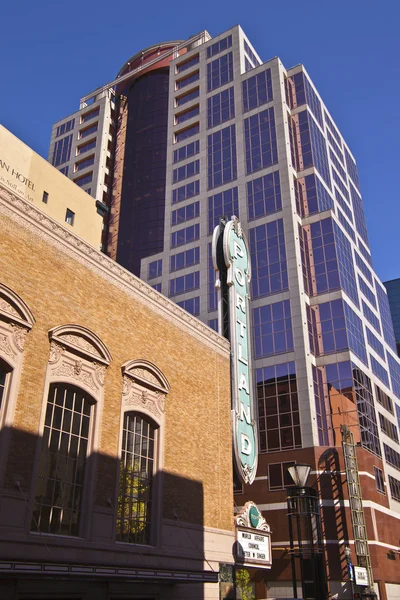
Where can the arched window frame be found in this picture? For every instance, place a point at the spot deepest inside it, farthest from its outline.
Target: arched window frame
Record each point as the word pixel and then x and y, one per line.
pixel 77 357
pixel 16 320
pixel 144 392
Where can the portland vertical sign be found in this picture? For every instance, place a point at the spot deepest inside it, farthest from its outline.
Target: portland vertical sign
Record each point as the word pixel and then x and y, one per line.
pixel 232 262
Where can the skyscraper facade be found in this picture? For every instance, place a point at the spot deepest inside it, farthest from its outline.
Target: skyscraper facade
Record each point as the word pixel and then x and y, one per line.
pixel 243 137
pixel 393 292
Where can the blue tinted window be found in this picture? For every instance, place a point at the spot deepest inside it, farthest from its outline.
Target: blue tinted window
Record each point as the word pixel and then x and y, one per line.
pixel 187 80
pixel 371 317
pixel 155 269
pixel 379 370
pixel 157 287
pixel 264 196
pixel 272 329
pixel 278 408
pixel 352 169
pixel 338 166
pixel 368 293
pixel 191 211
pixel 343 204
pixel 268 259
pixel 187 114
pixel 375 343
pixel 184 283
pixel 62 150
pixel 187 133
pixel 84 180
pixel 186 191
pixel 181 100
pixel 386 317
pixel 221 157
pixel 65 127
pixel 341 185
pixel 220 205
pixel 260 141
pixel 346 225
pixel 220 108
pixel 335 146
pixel 184 236
pixel 363 268
pixel 88 146
pixel 392 457
pixel 311 196
pixel 213 323
pixel 185 171
pixel 187 151
pixel 250 54
pixel 187 64
pixel 220 46
pixel 90 115
pixel 88 131
pixel 184 259
pixel 248 66
pixel 333 129
pixel 364 252
pixel 300 91
pixel 394 370
pixel 219 72
pixel 257 90
pixel 359 216
pixel 346 266
pixel 191 305
pixel 83 164
pixel 313 146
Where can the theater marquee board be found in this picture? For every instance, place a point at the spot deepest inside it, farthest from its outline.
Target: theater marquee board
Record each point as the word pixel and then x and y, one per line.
pixel 232 262
pixel 253 538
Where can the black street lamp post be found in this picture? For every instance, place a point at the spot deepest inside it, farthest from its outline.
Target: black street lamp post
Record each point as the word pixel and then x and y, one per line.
pixel 306 536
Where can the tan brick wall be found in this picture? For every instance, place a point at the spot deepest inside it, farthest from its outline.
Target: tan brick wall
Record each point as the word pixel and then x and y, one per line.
pixel 59 290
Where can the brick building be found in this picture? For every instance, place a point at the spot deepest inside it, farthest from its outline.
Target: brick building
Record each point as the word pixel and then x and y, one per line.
pixel 115 445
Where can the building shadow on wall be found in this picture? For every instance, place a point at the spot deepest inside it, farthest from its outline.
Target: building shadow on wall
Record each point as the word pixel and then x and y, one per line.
pixel 77 555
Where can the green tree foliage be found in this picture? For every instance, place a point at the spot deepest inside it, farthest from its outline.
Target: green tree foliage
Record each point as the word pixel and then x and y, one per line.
pixel 133 497
pixel 243 585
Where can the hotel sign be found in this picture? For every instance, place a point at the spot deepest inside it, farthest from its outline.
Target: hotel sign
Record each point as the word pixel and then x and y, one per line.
pixel 231 259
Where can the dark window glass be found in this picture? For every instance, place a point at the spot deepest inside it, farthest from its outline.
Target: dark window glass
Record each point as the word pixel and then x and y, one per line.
pixel 359 216
pixel 335 146
pixel 65 127
pixel 278 408
pixel 62 463
pixel 311 196
pixel 219 71
pixel 62 150
pixel 386 317
pixel 264 196
pixel 187 151
pixel 363 268
pixel 388 428
pixel 346 225
pixel 186 191
pixel 83 164
pixel 379 480
pixel 379 370
pixel 260 141
pixel 268 259
pixel 220 46
pixel 185 171
pixel 272 329
pixel 188 114
pixel 313 146
pixel 384 400
pixel 90 115
pixel 3 377
pixel 187 64
pixel 394 485
pixel 333 129
pixel 213 323
pixel 299 91
pixel 88 131
pixel 185 283
pixel 338 166
pixel 137 465
pixel 343 204
pixel 188 258
pixel 257 90
pixel 185 236
pixel 190 211
pixel 88 146
pixel 69 217
pixel 352 169
pixel 375 343
pixel 392 457
pixel 278 476
pixel 81 181
pixel 187 133
pixel 212 291
pixel 371 317
pixel 221 157
pixel 222 204
pixel 155 269
pixel 187 97
pixel 322 407
pixel 187 80
pixel 367 292
pixel 45 197
pixel 191 305
pixel 220 108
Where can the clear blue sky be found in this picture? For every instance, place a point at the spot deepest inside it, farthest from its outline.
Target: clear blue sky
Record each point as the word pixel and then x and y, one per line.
pixel 55 52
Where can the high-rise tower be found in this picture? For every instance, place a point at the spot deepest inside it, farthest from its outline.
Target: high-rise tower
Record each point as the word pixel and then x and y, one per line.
pixel 251 138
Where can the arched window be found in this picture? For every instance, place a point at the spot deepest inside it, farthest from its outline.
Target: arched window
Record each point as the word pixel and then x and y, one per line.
pixel 137 467
pixel 63 483
pixel 62 464
pixel 141 453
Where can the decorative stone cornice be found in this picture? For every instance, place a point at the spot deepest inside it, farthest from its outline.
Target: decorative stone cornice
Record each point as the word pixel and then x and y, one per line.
pixel 37 222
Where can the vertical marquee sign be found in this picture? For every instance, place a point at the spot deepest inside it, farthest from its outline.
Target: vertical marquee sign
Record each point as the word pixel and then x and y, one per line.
pixel 231 260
